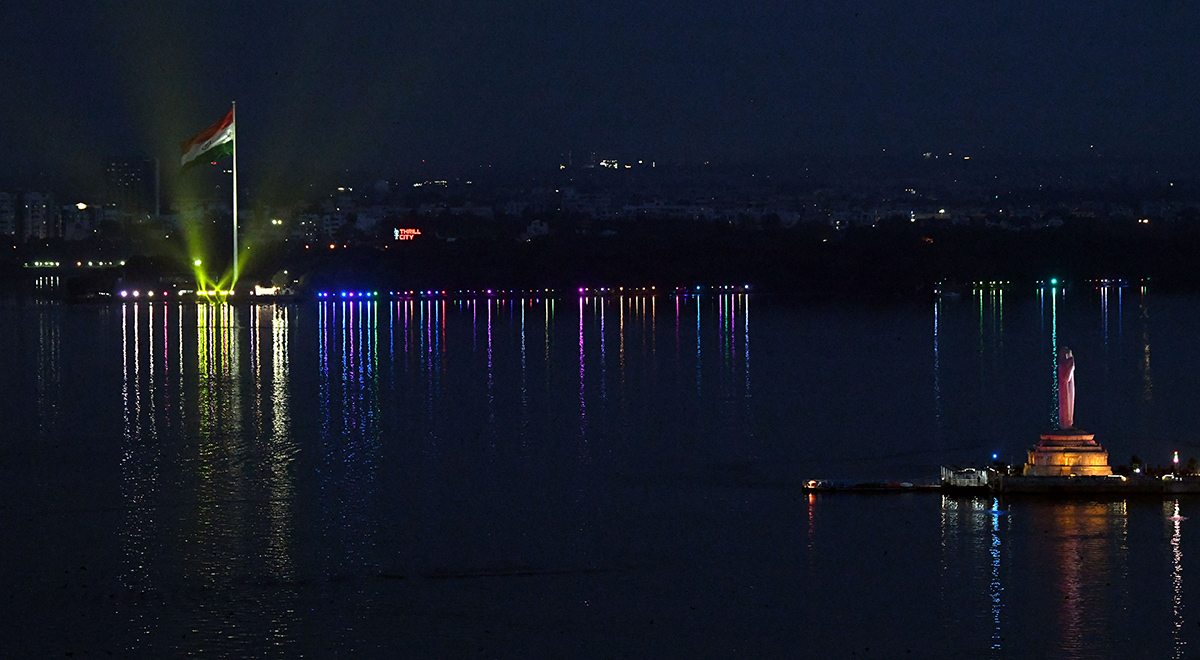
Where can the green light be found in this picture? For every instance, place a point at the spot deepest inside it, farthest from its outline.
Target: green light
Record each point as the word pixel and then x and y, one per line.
pixel 1054 280
pixel 197 262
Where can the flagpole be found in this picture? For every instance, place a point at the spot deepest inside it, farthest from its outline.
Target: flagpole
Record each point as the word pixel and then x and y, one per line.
pixel 235 209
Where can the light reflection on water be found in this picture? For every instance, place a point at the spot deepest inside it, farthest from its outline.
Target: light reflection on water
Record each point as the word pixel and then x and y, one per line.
pixel 938 424
pixel 1074 556
pixel 1175 529
pixel 1144 316
pixel 49 367
pixel 307 477
pixel 207 482
pixel 139 472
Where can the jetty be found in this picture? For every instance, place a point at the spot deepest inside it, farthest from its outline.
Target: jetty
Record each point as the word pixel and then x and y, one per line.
pixel 993 481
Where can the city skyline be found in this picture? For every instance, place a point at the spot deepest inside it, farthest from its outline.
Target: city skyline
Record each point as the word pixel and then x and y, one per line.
pixel 364 86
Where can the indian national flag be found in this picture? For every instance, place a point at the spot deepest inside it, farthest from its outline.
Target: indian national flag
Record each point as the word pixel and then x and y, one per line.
pixel 212 143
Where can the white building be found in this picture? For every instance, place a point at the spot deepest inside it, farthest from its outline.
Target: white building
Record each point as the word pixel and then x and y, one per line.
pixel 38 217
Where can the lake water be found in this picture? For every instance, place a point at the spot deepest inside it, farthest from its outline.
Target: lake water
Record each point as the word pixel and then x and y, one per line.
pixel 586 477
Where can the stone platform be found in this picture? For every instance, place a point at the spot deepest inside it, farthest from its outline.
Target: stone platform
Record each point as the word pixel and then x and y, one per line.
pixel 1065 453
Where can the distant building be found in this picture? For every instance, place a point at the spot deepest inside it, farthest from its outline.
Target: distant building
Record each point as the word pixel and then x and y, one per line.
pixel 535 229
pixel 80 221
pixel 39 218
pixel 8 215
pixel 129 188
pixel 308 227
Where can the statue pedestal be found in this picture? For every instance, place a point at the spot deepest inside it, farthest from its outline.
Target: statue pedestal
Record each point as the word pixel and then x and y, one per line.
pixel 1065 453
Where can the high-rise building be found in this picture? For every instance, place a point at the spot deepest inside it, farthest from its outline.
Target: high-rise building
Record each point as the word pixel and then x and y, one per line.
pixel 38 217
pixel 129 188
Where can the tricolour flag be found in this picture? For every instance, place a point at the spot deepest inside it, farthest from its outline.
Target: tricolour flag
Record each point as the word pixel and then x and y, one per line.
pixel 212 143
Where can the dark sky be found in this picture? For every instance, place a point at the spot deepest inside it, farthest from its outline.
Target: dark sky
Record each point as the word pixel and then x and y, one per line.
pixel 354 84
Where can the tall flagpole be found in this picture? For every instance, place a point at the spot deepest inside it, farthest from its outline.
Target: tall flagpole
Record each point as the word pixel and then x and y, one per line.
pixel 235 215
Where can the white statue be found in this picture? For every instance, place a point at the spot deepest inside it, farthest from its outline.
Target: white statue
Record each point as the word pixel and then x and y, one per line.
pixel 1066 389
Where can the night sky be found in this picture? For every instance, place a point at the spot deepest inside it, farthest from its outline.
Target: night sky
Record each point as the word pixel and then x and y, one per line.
pixel 382 86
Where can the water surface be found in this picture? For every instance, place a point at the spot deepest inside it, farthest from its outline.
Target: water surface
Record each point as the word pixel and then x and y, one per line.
pixel 585 477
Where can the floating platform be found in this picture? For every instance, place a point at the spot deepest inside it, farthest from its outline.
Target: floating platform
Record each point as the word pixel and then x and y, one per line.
pixel 823 486
pixel 986 481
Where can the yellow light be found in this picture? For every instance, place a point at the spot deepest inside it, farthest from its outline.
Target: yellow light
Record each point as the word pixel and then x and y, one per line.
pixel 81 206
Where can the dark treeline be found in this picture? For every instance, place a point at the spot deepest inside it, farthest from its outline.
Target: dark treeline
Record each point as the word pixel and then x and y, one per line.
pixel 892 258
pixel 895 257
